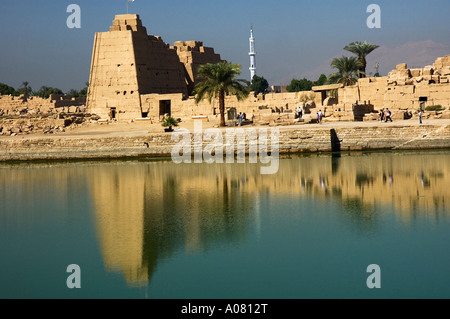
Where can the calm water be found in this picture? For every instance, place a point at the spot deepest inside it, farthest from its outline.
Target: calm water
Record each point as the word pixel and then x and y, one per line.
pixel 154 229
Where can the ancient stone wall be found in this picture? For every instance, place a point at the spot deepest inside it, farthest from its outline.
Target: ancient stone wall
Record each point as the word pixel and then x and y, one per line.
pixel 403 88
pixel 291 140
pixel 158 67
pixel 19 105
pixel 263 108
pixel 359 101
pixel 135 75
pixel 126 62
pixel 113 79
pixel 193 54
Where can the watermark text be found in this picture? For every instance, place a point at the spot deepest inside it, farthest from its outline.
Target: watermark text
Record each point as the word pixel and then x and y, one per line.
pixel 229 145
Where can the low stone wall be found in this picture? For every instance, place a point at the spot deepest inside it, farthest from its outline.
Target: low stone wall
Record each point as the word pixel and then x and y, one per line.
pixel 51 123
pixel 19 105
pixel 291 140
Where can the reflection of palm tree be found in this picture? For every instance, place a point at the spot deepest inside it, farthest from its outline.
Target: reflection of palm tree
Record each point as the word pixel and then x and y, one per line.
pixel 361 49
pixel 363 217
pixel 226 194
pixel 217 81
pixel 178 216
pixel 347 70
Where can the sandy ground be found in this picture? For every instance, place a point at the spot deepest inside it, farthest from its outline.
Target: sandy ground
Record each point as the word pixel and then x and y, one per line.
pixel 142 128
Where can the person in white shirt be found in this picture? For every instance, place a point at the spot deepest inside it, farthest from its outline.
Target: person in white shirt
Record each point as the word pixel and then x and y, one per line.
pixel 299 111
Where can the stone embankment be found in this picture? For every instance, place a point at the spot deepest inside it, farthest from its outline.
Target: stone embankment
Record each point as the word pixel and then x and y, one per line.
pixel 298 139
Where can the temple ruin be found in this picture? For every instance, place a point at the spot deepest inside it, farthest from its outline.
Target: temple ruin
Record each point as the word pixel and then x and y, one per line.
pixel 128 64
pixel 135 75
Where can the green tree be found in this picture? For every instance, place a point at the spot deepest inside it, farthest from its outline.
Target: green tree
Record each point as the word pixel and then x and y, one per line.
pixel 322 80
pixel 348 68
pixel 25 89
pixel 73 93
pixel 361 49
pixel 45 92
pixel 299 85
pixel 218 80
pixel 259 85
pixel 83 92
pixel 6 89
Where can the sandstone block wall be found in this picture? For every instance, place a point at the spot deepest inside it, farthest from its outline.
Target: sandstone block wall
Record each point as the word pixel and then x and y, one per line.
pixel 261 107
pixel 403 88
pixel 19 105
pixel 193 54
pixel 126 62
pixel 291 140
pixel 135 75
pixel 158 67
pixel 113 77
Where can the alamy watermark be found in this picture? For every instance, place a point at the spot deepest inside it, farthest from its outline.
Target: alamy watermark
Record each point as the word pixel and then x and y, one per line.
pixel 74 19
pixel 374 280
pixel 237 144
pixel 74 279
pixel 374 20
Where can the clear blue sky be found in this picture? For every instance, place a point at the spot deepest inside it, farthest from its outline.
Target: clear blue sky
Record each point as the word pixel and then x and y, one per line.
pixel 293 38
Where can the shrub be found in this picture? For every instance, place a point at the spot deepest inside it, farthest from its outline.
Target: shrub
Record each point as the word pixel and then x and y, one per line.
pixel 169 122
pixel 433 108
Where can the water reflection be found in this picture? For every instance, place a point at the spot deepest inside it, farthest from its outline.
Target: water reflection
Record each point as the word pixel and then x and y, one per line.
pixel 147 212
pixel 32 194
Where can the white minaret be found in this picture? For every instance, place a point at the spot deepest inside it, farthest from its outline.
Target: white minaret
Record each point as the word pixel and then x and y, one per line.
pixel 252 55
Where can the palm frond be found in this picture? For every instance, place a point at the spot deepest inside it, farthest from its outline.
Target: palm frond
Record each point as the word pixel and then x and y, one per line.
pixel 361 49
pixel 348 69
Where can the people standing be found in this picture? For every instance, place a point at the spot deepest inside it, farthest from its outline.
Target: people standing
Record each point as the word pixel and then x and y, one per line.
pixel 320 116
pixel 240 119
pixel 420 116
pixel 388 115
pixel 382 115
pixel 299 111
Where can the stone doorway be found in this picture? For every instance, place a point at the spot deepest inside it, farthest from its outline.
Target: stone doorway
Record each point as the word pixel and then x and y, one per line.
pixel 112 113
pixel 165 108
pixel 423 102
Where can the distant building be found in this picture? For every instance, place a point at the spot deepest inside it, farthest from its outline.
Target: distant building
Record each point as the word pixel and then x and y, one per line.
pixel 277 89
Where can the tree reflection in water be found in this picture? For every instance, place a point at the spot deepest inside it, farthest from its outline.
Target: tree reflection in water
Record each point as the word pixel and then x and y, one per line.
pixel 194 207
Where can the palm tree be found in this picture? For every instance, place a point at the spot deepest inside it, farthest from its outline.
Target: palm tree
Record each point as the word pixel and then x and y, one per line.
pixel 361 49
pixel 26 90
pixel 218 80
pixel 348 68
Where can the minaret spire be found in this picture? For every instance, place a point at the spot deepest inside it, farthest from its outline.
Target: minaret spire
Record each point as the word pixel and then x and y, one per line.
pixel 252 55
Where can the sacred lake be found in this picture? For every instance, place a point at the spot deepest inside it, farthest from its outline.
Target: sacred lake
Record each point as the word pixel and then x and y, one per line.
pixel 159 230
